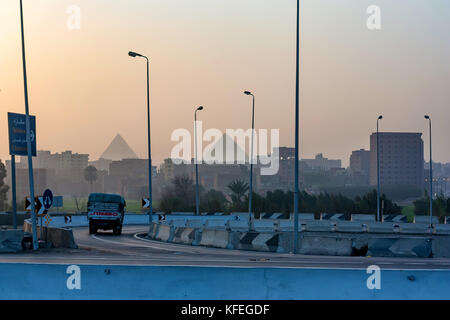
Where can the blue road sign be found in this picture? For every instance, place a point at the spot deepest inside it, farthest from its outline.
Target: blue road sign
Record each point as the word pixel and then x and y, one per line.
pixel 58 201
pixel 18 134
pixel 47 199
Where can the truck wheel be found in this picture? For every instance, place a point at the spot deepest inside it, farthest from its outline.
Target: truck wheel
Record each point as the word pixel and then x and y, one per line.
pixel 92 229
pixel 117 231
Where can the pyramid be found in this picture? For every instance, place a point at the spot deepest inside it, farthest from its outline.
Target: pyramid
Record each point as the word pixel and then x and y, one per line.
pixel 229 149
pixel 118 150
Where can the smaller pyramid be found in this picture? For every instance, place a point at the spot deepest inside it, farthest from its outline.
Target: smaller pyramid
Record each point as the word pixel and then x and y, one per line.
pixel 118 150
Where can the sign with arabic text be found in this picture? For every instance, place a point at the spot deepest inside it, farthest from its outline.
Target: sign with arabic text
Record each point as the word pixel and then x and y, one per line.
pixel 18 134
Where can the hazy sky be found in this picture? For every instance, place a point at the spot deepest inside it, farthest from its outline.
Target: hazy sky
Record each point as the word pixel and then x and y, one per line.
pixel 84 89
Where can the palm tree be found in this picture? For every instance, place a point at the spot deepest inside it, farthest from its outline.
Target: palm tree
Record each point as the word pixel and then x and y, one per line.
pixel 238 189
pixel 91 175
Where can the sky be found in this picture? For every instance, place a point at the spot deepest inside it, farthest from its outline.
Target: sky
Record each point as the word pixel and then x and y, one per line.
pixel 84 89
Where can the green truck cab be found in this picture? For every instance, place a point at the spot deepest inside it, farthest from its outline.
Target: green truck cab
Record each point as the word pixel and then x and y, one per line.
pixel 105 212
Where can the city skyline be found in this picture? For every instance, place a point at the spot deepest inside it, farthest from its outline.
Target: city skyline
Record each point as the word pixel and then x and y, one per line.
pixel 77 83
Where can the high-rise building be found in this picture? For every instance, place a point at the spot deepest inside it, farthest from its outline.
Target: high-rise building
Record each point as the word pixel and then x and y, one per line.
pixel 360 161
pixel 360 166
pixel 401 159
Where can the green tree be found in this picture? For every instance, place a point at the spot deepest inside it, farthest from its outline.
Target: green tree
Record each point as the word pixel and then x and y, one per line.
pixel 91 175
pixel 422 206
pixel 439 207
pixel 3 187
pixel 179 196
pixel 214 201
pixel 238 189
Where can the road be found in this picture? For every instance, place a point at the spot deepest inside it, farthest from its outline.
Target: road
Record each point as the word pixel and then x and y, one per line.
pixel 130 249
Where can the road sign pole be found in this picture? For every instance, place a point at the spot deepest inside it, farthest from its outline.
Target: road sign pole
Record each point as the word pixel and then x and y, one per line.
pixel 297 138
pixel 42 231
pixel 13 182
pixel 27 123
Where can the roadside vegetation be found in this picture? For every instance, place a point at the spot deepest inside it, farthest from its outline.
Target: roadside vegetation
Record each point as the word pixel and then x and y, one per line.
pixel 3 187
pixel 180 197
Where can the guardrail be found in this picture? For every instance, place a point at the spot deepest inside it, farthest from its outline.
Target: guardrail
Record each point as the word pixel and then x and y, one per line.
pixel 332 223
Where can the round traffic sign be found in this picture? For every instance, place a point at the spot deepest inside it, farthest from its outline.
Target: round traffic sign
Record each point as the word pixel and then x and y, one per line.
pixel 48 199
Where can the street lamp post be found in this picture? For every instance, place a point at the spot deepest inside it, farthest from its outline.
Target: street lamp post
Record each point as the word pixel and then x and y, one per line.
pixel 431 177
pixel 133 55
pixel 297 126
pixel 378 170
pixel 197 190
pixel 28 126
pixel 250 208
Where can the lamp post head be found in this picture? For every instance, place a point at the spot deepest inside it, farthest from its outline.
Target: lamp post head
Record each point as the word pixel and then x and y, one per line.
pixel 134 54
pixel 427 117
pixel 380 117
pixel 248 93
pixel 200 108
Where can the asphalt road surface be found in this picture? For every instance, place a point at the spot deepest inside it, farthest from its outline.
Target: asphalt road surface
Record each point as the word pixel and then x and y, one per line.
pixel 130 249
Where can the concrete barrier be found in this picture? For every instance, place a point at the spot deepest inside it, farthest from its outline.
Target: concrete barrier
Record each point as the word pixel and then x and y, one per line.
pixel 197 237
pixel 363 217
pixel 11 241
pixel 323 245
pixel 216 238
pixel 166 222
pixel 380 227
pixel 395 218
pixel 154 230
pixel 304 216
pixel 257 241
pixel 285 226
pixel 442 229
pixel 184 235
pixel 239 225
pixel 400 247
pixel 272 216
pixel 416 228
pixel 216 224
pixel 319 226
pixel 350 226
pixel 264 225
pixel 441 247
pixel 332 216
pixel 194 224
pixel 59 237
pixel 328 242
pixel 178 223
pixel 216 283
pixel 165 233
pixel 426 220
